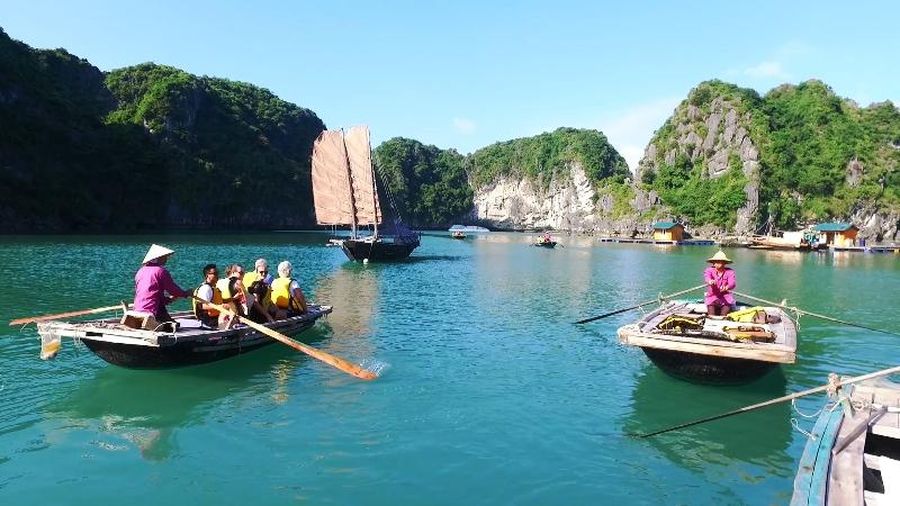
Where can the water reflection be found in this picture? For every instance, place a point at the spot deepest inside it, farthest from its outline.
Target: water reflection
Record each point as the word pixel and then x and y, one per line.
pixel 760 437
pixel 146 409
pixel 352 289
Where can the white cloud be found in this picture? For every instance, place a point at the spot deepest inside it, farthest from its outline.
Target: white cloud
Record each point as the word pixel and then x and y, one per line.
pixel 464 126
pixel 776 64
pixel 630 130
pixel 767 69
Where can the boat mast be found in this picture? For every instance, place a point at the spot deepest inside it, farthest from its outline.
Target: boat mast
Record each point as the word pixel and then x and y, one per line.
pixel 374 188
pixel 352 194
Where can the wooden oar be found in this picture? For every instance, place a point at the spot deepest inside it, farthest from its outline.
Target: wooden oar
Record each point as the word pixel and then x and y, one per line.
pixel 814 315
pixel 329 359
pixel 654 301
pixel 884 372
pixel 31 319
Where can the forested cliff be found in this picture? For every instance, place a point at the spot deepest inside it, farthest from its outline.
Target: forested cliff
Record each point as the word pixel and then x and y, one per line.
pixel 145 147
pixel 151 147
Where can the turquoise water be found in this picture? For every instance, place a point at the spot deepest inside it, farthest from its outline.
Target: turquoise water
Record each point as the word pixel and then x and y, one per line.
pixel 489 394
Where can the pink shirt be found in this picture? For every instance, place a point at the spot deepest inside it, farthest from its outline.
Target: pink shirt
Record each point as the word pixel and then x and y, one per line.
pixel 719 293
pixel 150 286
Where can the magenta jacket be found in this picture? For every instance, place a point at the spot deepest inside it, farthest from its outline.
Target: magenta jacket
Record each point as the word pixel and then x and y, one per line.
pixel 719 293
pixel 150 286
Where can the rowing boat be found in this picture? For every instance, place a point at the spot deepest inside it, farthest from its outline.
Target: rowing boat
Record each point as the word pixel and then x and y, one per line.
pixel 190 344
pixel 853 454
pixel 683 342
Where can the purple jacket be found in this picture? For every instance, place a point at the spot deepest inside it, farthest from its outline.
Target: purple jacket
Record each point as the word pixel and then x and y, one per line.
pixel 720 292
pixel 150 286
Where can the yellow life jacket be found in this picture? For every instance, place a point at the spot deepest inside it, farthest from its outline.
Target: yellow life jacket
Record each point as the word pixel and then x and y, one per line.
pixel 216 299
pixel 282 296
pixel 250 277
pixel 222 285
pixel 754 314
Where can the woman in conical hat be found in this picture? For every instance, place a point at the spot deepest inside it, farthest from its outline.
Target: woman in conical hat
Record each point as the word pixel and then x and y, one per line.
pixel 720 283
pixel 152 282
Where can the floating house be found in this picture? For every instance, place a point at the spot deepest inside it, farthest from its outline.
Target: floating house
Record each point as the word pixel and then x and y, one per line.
pixel 840 235
pixel 668 231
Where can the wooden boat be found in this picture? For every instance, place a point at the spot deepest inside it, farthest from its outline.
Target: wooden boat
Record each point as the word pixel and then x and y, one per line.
pixel 191 344
pixel 545 244
pixel 712 350
pixel 853 456
pixel 345 192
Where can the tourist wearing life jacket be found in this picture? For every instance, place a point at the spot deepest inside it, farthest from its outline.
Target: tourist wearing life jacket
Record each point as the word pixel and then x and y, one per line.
pixel 154 286
pixel 286 292
pixel 260 272
pixel 720 282
pixel 208 315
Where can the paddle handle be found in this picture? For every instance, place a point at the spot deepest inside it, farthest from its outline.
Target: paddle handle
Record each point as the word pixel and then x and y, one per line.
pixel 336 362
pixel 32 319
pixel 815 315
pixel 662 297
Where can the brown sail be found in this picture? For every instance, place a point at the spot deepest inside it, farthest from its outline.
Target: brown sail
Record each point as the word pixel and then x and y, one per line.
pixel 365 196
pixel 331 180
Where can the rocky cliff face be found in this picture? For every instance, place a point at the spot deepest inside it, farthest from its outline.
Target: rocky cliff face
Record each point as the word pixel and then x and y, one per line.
pixel 519 203
pixel 712 136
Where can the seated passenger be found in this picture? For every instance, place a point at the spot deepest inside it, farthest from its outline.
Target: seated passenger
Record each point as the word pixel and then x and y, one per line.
pixel 286 293
pixel 260 272
pixel 208 291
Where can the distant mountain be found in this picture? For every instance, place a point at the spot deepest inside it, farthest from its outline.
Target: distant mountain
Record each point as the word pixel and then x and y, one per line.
pixel 151 147
pixel 145 147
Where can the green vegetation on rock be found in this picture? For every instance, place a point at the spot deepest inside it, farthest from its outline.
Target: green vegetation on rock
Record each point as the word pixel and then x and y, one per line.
pixel 144 147
pixel 428 184
pixel 547 155
pixel 806 138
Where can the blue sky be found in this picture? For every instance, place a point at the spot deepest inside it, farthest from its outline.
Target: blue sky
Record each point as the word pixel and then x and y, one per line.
pixel 464 74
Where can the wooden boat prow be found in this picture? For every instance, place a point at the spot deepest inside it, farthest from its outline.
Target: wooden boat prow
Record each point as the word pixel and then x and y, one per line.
pixel 707 354
pixel 853 457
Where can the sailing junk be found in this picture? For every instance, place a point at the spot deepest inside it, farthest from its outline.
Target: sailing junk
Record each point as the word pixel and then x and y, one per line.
pixel 346 193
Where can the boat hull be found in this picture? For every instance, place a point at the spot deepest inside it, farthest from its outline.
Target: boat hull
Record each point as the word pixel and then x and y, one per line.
pixel 185 353
pixel 377 251
pixel 708 369
pixel 551 244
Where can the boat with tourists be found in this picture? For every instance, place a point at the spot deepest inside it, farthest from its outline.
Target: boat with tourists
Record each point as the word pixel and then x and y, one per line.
pixel 458 234
pixel 683 341
pixel 545 242
pixel 118 342
pixel 345 193
pixel 853 454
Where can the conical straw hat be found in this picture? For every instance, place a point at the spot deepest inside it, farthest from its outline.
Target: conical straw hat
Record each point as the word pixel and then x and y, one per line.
pixel 719 257
pixel 156 251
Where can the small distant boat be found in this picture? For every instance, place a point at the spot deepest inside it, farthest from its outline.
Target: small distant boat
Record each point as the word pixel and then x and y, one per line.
pixel 791 241
pixel 154 349
pixel 458 234
pixel 345 192
pixel 545 242
pixel 853 455
pixel 682 341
